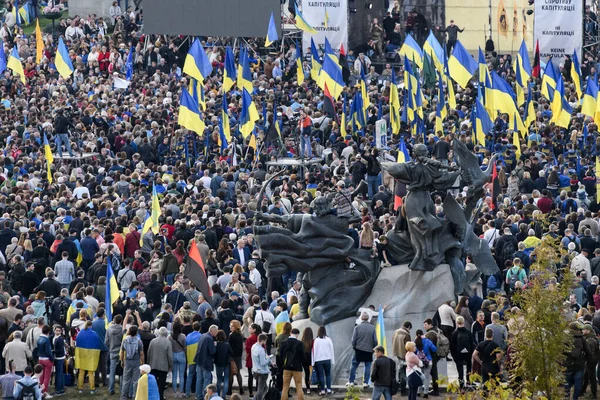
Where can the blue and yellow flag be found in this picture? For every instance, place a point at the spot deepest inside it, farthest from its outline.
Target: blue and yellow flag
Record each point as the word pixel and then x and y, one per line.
pixel 249 114
pixel 191 346
pixel 2 58
pixel 151 222
pixel 412 51
pixel 529 116
pixel 87 350
pixel 483 123
pixel 523 69
pixel 226 129
pixel 302 24
pixel 271 32
pixel 189 114
pixel 380 330
pixel 299 69
pixel 276 120
pixel 229 71
pixel 49 158
pixel 448 82
pixel 63 63
pixel 435 50
pixel 112 290
pixel 331 74
pixel 147 388
pixel 281 319
pixel 394 105
pixel 403 155
pixel 440 110
pixel 561 109
pixel 196 90
pixel 196 63
pixel 315 62
pixel 462 65
pixel 576 74
pixel 588 107
pixel 519 86
pixel 516 137
pixel 356 110
pixel 244 74
pixel 14 63
pixel 549 79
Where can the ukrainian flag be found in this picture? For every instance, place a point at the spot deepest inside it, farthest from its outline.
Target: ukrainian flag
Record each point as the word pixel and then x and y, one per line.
pixel 363 89
pixel 576 74
pixel 249 114
pixel 561 110
pixel 440 110
pixel 435 50
pixel 48 155
pixel 411 49
pixel 196 90
pixel 191 346
pixel 380 330
pixel 2 58
pixel 147 388
pixel 73 307
pixel 483 68
pixel 483 123
pixel 244 74
pixel 302 24
pixel 516 138
pixel 329 51
pixel 523 69
pixel 196 63
pixel 504 96
pixel 598 179
pixel 519 86
pixel 549 79
pixel 299 70
pixel 275 120
pixel 343 122
pixel 281 319
pixel 152 221
pixel 315 66
pixel 529 116
pixel 189 114
pixel 462 65
pixel 271 32
pixel 588 108
pixel 112 290
pixel 87 350
pixel 226 129
pixel 394 105
pixel 448 82
pixel 331 74
pixel 14 63
pixel 357 111
pixel 229 71
pixel 403 155
pixel 62 61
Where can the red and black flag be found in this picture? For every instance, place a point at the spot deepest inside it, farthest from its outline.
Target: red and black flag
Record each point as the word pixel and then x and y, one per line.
pixel 344 63
pixel 535 71
pixel 495 186
pixel 399 193
pixel 194 270
pixel 329 105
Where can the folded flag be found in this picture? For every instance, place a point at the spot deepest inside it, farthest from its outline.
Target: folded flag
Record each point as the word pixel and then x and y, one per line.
pixel 87 350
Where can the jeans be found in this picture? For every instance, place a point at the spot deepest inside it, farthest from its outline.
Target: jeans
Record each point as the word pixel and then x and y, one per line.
pixel 305 142
pixel 59 375
pixel 222 380
pixel 386 391
pixel 178 371
pixel 373 183
pixel 190 378
pixel 287 378
pixel 46 373
pixel 413 382
pixel 170 278
pixel 574 379
pixel 63 138
pixel 261 386
pixel 366 373
pixel 203 379
pixel 324 373
pixel 427 373
pixel 114 361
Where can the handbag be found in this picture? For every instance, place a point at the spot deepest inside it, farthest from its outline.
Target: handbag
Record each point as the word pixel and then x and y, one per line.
pixel 233 368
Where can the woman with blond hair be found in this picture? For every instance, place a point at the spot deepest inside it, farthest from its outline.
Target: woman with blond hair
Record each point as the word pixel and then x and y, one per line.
pixel 236 341
pixel 414 375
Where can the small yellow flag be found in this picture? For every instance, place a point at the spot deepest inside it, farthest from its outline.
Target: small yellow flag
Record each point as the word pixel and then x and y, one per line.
pixel 39 42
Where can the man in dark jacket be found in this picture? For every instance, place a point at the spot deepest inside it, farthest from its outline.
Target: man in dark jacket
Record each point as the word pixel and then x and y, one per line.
pixel 592 361
pixel 364 340
pixel 6 236
pixel 506 247
pixel 50 286
pixel 384 369
pixel 154 292
pixel 30 280
pixel 292 353
pixel 576 360
pixel 204 360
pixel 461 348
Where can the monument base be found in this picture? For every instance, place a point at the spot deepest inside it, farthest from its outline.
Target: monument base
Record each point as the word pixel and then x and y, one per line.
pixel 99 7
pixel 406 295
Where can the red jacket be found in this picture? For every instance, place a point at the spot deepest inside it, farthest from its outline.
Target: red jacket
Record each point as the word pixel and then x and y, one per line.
pixel 248 345
pixel 132 243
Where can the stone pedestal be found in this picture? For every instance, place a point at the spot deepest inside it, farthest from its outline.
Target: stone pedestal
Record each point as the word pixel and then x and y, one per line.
pixel 84 7
pixel 405 295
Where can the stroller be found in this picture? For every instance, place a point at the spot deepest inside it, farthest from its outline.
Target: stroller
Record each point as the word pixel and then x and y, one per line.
pixel 274 391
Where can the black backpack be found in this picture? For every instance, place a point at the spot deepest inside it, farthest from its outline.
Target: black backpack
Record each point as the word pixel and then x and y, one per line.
pixel 27 391
pixel 508 250
pixel 290 358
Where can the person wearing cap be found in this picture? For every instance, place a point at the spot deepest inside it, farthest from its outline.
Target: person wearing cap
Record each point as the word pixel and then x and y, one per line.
pixel 147 387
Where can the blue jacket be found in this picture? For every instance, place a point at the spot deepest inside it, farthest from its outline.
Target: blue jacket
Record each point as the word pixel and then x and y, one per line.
pixel 99 326
pixel 28 381
pixel 44 348
pixel 428 348
pixel 89 248
pixel 206 351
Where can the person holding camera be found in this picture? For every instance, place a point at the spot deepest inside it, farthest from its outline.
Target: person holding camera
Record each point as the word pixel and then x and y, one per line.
pixel 61 129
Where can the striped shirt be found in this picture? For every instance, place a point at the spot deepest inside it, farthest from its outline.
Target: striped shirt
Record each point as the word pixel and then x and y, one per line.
pixel 65 272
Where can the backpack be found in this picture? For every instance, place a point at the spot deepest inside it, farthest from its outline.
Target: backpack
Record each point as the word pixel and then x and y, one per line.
pixel 508 250
pixel 423 357
pixel 443 345
pixel 513 277
pixel 569 206
pixel 492 282
pixel 573 240
pixel 130 345
pixel 27 391
pixel 289 361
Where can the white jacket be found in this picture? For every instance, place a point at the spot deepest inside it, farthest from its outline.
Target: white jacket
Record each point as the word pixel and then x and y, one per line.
pixel 323 350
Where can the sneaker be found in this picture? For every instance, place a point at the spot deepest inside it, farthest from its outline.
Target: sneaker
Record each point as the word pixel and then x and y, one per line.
pixel 351 265
pixel 329 391
pixel 92 392
pixel 111 392
pixel 307 391
pixel 48 396
pixel 81 392
pixel 322 393
pixel 348 384
pixel 365 385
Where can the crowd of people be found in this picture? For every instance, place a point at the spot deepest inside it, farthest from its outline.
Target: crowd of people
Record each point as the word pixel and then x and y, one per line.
pixel 57 238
